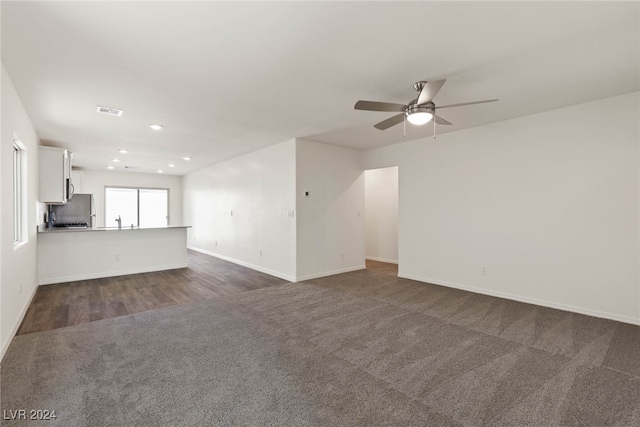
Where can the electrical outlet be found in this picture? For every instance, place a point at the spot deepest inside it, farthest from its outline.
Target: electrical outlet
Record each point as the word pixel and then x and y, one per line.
pixel 260 253
pixel 232 212
pixel 483 270
pixel 20 287
pixel 341 254
pixel 216 243
pixel 117 257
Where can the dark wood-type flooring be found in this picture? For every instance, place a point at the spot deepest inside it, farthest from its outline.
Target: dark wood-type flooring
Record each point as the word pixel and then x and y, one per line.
pixel 73 303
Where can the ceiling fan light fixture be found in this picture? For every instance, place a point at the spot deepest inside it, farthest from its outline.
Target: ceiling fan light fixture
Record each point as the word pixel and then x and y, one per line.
pixel 419 117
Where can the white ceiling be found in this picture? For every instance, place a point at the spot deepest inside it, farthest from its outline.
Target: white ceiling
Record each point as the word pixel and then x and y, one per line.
pixel 227 78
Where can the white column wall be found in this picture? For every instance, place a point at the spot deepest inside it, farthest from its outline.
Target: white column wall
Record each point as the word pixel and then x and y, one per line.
pixel 243 210
pixel 330 223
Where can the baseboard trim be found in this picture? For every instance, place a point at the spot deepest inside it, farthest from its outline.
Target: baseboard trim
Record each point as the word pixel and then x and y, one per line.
pixel 17 323
pixel 528 300
pixel 389 261
pixel 245 264
pixel 65 279
pixel 331 273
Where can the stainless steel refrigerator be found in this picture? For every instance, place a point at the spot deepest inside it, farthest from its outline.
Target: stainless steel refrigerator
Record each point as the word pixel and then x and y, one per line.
pixel 79 210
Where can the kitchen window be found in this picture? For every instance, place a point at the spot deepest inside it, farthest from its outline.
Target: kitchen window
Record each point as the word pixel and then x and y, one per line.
pixel 19 199
pixel 140 207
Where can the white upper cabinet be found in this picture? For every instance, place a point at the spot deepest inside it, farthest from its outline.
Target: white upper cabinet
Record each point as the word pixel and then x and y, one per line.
pixel 55 175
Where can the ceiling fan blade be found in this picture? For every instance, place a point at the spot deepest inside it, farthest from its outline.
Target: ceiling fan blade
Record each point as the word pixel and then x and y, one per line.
pixel 379 106
pixel 466 103
pixel 439 120
pixel 429 91
pixel 391 121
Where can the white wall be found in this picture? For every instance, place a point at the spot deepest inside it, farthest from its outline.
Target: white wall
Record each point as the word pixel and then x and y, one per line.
pixel 381 214
pixel 18 279
pixel 549 203
pixel 260 190
pixel 330 220
pixel 95 181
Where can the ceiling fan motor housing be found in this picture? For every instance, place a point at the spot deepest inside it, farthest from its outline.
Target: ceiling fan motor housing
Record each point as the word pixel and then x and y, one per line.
pixel 429 107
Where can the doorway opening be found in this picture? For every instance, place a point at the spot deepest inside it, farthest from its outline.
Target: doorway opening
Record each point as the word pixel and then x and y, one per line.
pixel 381 218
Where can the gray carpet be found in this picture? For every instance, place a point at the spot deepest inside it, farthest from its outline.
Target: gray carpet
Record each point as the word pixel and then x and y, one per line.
pixel 363 348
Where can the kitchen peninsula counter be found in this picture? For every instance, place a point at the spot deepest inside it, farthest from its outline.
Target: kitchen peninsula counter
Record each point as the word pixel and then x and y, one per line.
pixel 71 254
pixel 44 229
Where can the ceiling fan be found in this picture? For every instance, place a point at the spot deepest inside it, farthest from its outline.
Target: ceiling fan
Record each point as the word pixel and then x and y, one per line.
pixel 419 111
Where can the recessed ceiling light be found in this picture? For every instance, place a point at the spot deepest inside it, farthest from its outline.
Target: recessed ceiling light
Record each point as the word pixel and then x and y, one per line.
pixel 187 158
pixel 115 160
pixel 159 170
pixel 109 167
pixel 123 151
pixel 171 165
pixel 155 127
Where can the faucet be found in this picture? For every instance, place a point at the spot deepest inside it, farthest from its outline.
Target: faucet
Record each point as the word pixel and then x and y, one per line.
pixel 119 221
pixel 52 219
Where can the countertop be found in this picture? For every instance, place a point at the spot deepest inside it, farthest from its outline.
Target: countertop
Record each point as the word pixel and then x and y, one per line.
pixel 44 229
